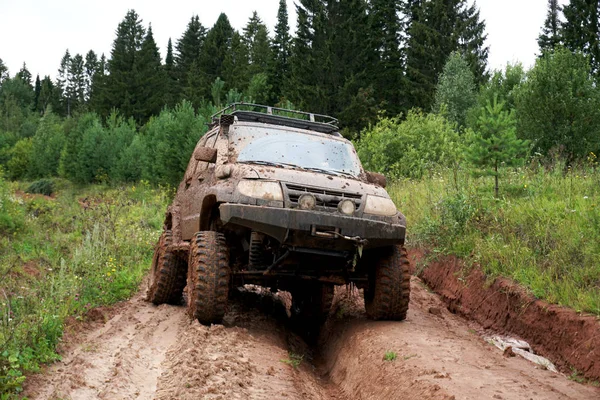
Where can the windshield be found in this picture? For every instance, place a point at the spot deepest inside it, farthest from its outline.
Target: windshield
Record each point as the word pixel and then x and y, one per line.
pixel 281 148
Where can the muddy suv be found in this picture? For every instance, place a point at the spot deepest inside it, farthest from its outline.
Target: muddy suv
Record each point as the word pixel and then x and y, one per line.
pixel 278 198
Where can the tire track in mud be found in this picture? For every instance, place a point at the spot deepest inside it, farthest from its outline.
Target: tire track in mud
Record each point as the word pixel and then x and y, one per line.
pixel 149 352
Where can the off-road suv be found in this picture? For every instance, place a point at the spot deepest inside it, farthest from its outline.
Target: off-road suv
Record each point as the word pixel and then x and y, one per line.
pixel 278 198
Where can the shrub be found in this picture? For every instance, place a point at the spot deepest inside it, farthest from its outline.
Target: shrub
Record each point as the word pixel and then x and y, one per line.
pixel 409 148
pixel 43 186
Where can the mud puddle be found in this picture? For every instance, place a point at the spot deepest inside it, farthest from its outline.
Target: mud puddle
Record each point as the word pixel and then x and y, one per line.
pixel 148 352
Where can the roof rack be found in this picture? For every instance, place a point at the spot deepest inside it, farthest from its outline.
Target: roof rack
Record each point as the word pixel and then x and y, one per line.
pixel 278 116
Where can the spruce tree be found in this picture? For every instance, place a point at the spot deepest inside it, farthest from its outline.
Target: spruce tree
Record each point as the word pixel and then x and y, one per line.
pixel 171 91
pixel 91 67
pixel 3 71
pixel 581 32
pixel 439 27
pixel 151 81
pixel 216 46
pixel 550 36
pixel 386 37
pixel 37 90
pixel 188 51
pixel 256 39
pixel 282 43
pixel 309 62
pixel 471 42
pixel 121 88
pixel 49 96
pixel 25 76
pixel 64 83
pixel 77 73
pixel 235 65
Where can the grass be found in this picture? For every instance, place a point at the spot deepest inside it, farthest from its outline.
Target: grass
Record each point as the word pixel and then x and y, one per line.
pixel 543 231
pixel 390 356
pixel 294 359
pixel 61 257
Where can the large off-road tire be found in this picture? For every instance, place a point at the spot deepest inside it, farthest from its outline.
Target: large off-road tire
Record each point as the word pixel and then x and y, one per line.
pixel 168 273
pixel 312 301
pixel 388 293
pixel 208 277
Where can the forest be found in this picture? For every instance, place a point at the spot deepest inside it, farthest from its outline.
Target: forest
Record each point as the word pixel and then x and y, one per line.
pixel 498 167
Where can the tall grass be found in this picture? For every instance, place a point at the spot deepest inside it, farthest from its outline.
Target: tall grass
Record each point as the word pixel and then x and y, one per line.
pixel 64 256
pixel 543 231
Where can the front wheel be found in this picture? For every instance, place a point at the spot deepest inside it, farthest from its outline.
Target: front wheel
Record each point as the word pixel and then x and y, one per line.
pixel 208 277
pixel 167 278
pixel 388 293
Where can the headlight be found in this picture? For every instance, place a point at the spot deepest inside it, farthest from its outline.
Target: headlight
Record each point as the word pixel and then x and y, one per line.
pixel 261 190
pixel 380 206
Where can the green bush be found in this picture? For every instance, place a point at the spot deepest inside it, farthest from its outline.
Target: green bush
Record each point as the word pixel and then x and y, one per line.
pixel 409 148
pixel 43 186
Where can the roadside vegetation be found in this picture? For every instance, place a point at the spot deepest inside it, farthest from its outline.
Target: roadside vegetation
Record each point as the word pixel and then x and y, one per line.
pixel 507 182
pixel 64 255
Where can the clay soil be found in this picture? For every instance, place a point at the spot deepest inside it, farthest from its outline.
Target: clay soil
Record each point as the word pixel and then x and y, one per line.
pixel 140 351
pixel 569 339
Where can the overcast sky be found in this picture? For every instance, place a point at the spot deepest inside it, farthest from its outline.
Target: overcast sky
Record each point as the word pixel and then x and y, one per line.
pixel 39 31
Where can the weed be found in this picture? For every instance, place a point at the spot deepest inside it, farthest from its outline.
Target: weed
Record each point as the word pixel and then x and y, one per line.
pixel 390 356
pixel 82 256
pixel 576 376
pixel 294 360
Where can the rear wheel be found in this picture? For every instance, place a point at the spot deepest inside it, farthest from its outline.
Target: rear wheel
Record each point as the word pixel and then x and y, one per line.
pixel 388 293
pixel 208 277
pixel 167 278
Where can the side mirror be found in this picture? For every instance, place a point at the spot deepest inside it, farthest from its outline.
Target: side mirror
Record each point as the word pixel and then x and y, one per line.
pixel 206 154
pixel 377 179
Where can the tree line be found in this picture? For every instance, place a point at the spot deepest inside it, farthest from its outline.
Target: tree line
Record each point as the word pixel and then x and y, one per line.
pixel 357 60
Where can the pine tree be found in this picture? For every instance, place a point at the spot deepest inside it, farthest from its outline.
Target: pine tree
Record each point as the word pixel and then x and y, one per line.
pixel 281 45
pixel 121 88
pixel 550 36
pixel 64 83
pixel 581 31
pixel 151 81
pixel 495 142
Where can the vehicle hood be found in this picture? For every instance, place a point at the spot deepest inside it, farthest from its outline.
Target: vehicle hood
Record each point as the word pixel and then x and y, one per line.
pixel 315 179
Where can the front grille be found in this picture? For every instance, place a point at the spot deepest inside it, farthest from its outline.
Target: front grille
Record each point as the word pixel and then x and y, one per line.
pixel 326 199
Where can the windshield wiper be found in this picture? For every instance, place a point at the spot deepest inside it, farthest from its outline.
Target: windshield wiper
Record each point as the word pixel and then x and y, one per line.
pixel 325 171
pixel 267 163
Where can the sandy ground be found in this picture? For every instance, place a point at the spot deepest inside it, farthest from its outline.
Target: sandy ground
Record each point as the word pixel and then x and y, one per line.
pixel 149 352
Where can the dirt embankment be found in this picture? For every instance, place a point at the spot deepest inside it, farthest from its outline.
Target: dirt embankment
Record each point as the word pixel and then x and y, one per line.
pixel 148 352
pixel 567 338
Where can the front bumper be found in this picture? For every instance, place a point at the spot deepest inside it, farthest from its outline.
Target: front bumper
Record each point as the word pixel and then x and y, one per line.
pixel 289 225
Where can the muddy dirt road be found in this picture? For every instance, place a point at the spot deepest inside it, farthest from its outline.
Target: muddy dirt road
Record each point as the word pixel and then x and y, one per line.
pixel 149 352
